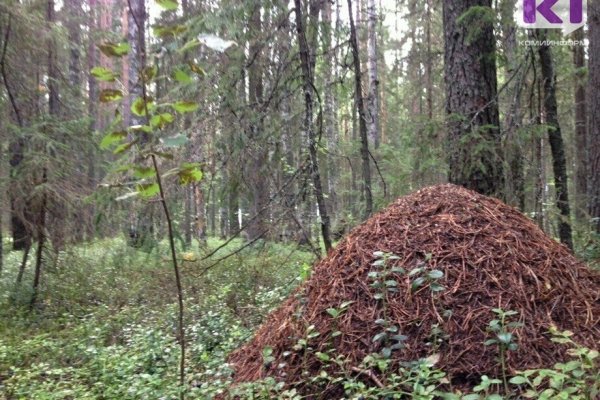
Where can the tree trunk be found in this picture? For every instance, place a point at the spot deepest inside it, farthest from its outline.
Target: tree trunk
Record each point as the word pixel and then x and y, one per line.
pixel 581 146
pixel 259 190
pixel 559 163
pixel 362 119
pixel 307 73
pixel 471 103
pixel 373 98
pixel 594 115
pixel 514 76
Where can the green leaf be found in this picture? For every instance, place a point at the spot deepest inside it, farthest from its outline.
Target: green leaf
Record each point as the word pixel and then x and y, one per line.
pixel 124 147
pixel 267 351
pixel 148 190
pixel 143 172
pixel 494 397
pixel 161 120
pixel 111 49
pixel 391 283
pixel 505 337
pixel 189 175
pixel 108 95
pixel 322 356
pixel 417 283
pixel 168 4
pixel 185 106
pixel 164 32
pixel 386 352
pixel 333 312
pixel 518 380
pixel 435 274
pixel 175 141
pixel 111 138
pixel 380 336
pixel 181 76
pixel 103 74
pixel 138 107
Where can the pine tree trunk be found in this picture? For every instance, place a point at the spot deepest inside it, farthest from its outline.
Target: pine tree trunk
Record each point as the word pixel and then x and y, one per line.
pixel 581 146
pixel 471 105
pixel 362 118
pixel 559 163
pixel 594 115
pixel 257 168
pixel 515 75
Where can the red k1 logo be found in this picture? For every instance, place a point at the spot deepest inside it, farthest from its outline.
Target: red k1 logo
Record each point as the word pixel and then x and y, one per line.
pixel 568 15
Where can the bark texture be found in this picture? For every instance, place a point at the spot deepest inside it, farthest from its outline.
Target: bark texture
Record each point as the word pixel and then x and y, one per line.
pixel 557 147
pixel 471 103
pixel 593 107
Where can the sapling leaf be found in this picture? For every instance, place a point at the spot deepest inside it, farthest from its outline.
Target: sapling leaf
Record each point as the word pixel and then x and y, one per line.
pixel 108 95
pixel 322 356
pixel 112 138
pixel 181 76
pixel 103 74
pixel 148 190
pixel 143 172
pixel 138 107
pixel 189 175
pixel 111 49
pixel 124 147
pixel 168 31
pixel 185 106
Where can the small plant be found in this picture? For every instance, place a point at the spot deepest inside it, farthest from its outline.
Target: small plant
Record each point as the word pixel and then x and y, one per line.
pixel 423 276
pixel 504 339
pixel 383 280
pixel 577 379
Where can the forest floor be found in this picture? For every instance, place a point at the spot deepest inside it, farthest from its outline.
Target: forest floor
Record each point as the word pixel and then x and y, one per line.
pixel 106 326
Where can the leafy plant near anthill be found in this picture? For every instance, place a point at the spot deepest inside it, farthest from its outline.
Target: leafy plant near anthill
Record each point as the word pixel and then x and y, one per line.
pixel 148 141
pixel 383 280
pixel 504 338
pixel 577 379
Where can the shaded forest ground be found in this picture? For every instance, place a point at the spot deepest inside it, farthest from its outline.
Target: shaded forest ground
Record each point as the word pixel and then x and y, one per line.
pixel 106 330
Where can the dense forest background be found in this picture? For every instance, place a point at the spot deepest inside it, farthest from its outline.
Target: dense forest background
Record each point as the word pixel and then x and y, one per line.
pixel 276 126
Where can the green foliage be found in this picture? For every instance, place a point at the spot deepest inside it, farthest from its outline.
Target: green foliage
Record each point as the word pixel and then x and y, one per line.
pixel 106 330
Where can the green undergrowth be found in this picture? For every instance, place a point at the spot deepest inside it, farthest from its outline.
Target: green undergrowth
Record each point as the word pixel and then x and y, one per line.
pixel 106 329
pixel 106 326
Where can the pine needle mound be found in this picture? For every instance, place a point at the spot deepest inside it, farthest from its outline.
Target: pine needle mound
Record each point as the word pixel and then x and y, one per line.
pixel 491 256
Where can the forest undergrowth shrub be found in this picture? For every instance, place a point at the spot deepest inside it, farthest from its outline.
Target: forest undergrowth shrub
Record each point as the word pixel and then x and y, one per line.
pixel 107 326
